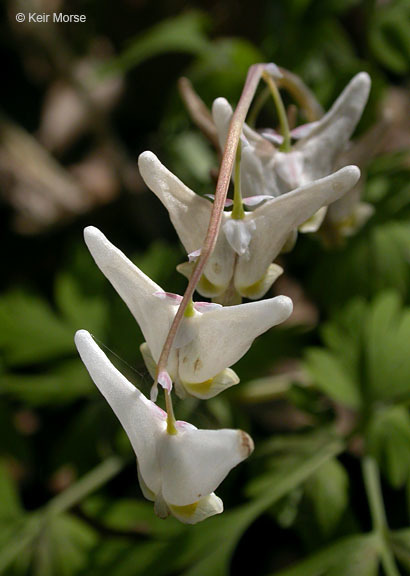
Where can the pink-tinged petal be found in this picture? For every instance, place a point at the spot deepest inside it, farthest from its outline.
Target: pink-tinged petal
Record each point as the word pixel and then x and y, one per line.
pixel 228 201
pixel 303 130
pixel 204 307
pixel 273 136
pixel 192 256
pixel 170 297
pixel 184 426
pixel 254 200
pixel 165 381
pixel 158 411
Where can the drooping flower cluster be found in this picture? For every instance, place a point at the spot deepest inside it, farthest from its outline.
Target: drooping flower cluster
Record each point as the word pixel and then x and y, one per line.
pixel 246 247
pixel 179 466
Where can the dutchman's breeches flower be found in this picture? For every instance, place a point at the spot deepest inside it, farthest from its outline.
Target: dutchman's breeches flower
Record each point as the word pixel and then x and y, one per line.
pixel 267 170
pixel 246 247
pixel 210 339
pixel 178 472
pixel 316 152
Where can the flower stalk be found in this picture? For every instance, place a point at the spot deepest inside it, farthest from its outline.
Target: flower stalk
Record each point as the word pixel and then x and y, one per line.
pixel 237 211
pixel 235 129
pixel 171 428
pixel 280 108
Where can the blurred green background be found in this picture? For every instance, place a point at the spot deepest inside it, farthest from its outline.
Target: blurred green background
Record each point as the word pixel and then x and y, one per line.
pixel 326 397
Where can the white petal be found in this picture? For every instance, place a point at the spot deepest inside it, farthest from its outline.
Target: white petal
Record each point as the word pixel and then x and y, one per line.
pixel 222 113
pixel 224 335
pixel 276 219
pixel 198 511
pixel 161 508
pixel 228 201
pixel 239 234
pixel 170 297
pixel 290 242
pixel 314 222
pixel 190 215
pixel 322 146
pixel 195 462
pixel 143 421
pixel 303 130
pixel 146 492
pixel 148 360
pixel 135 288
pixel 213 386
pixel 272 136
pixel 252 201
pixel 189 212
pixel 257 175
pixel 289 167
pixel 204 307
pixel 204 286
pixel 252 174
pixel 258 289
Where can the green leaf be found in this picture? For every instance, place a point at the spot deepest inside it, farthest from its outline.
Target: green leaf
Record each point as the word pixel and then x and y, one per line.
pixel 16 537
pixel 62 546
pixel 367 358
pixel 122 557
pixel 331 377
pixel 327 489
pixel 354 556
pixel 389 246
pixel 222 68
pixel 30 332
pixel 183 33
pixel 389 36
pixel 388 337
pixel 67 382
pixel 389 441
pixel 376 259
pixel 192 158
pixel 268 388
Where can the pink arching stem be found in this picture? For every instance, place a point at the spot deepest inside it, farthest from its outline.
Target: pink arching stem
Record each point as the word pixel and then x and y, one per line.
pixel 228 158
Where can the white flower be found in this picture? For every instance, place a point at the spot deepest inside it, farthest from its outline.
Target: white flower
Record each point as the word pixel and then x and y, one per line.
pixel 267 170
pixel 207 343
pixel 245 248
pixel 179 472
